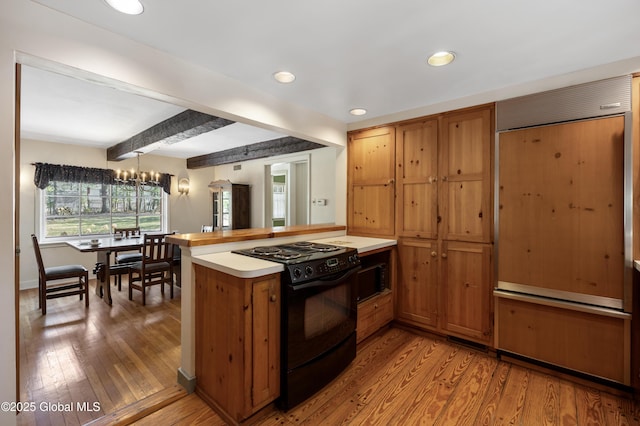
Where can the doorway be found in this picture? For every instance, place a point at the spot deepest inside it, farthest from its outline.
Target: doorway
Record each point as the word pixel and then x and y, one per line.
pixel 287 191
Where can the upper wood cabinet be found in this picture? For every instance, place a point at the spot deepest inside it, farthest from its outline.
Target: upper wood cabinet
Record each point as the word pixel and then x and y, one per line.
pixel 444 180
pixel 371 182
pixel 417 174
pixel 465 200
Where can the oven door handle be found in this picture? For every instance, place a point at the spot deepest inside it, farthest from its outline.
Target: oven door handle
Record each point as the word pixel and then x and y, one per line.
pixel 326 283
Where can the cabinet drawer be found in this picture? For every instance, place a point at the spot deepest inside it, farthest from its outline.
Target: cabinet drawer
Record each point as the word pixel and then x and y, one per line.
pixel 374 313
pixel 587 342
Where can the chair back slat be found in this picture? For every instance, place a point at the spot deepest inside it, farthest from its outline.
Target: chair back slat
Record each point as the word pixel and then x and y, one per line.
pixel 36 249
pixel 156 249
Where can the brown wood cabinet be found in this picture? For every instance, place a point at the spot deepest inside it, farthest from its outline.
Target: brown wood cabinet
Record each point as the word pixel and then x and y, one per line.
pixel 588 342
pixel 417 289
pixel 237 342
pixel 465 274
pixel 371 182
pixel 373 314
pixel 417 175
pixel 446 287
pixel 445 217
pixel 465 200
pixel 231 205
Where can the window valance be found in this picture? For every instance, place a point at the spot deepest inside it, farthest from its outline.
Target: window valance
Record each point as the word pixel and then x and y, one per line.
pixel 46 173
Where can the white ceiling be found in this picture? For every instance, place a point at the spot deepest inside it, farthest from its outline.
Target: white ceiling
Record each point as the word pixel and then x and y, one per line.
pixel 345 54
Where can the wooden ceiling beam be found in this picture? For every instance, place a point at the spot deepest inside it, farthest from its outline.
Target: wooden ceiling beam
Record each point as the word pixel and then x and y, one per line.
pixel 182 126
pixel 280 146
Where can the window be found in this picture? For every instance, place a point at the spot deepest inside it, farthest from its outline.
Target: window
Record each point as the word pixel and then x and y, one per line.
pixel 72 209
pixel 85 201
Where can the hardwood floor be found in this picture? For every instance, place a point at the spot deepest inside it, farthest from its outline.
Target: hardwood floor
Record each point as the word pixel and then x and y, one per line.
pixel 129 352
pixel 112 356
pixel 400 378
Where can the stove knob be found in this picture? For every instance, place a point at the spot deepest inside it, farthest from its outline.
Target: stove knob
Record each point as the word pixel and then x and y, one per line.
pixel 308 270
pixel 297 272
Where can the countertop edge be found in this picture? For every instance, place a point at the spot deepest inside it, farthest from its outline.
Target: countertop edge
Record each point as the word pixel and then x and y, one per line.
pixel 219 262
pixel 219 237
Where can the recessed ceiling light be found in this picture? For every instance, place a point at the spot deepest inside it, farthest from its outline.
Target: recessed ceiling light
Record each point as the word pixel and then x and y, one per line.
pixel 284 76
pixel 357 111
pixel 439 59
pixel 130 7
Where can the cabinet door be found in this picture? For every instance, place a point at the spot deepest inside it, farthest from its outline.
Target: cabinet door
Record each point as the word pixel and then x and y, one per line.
pixel 417 288
pixel 465 167
pixel 371 182
pixel 466 290
pixel 562 209
pixel 417 176
pixel 265 342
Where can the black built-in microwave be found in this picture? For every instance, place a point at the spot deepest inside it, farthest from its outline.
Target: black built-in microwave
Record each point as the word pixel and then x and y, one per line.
pixel 371 280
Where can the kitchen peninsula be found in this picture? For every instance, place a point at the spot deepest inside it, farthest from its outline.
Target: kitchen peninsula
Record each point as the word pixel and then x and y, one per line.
pixel 231 309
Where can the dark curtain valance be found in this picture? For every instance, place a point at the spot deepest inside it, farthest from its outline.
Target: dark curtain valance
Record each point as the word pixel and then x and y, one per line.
pixel 46 173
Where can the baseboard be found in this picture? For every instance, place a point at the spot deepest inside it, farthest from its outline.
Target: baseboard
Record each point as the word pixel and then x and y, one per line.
pixel 187 382
pixel 28 284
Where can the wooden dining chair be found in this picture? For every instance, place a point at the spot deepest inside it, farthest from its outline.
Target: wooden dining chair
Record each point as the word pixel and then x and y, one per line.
pixel 123 259
pixel 154 268
pixel 57 273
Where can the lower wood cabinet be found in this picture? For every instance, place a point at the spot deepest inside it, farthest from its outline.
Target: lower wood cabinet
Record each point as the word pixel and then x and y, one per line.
pixel 417 288
pixel 237 342
pixel 465 276
pixel 446 287
pixel 374 313
pixel 593 342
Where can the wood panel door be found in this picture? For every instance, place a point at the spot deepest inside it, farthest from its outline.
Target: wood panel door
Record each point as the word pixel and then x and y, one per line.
pixel 265 374
pixel 561 212
pixel 417 289
pixel 417 179
pixel 465 168
pixel 466 290
pixel 371 182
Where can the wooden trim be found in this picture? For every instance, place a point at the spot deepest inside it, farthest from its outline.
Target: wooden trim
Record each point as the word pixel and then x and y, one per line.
pixel 16 229
pixel 142 408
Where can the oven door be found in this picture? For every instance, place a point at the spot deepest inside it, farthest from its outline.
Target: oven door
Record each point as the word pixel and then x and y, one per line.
pixel 319 316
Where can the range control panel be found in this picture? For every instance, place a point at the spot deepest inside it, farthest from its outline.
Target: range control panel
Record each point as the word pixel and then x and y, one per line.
pixel 318 268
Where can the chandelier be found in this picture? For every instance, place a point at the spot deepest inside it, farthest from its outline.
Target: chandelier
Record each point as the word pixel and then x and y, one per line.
pixel 137 177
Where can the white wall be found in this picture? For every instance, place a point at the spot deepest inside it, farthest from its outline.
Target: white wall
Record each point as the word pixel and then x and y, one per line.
pixel 186 212
pixel 323 183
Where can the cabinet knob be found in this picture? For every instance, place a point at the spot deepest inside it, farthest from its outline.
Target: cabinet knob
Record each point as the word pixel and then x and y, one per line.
pixel 434 254
pixel 444 255
pixel 273 298
pixel 444 178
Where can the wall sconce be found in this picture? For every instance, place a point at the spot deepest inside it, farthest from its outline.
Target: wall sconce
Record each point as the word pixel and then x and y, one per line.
pixel 183 186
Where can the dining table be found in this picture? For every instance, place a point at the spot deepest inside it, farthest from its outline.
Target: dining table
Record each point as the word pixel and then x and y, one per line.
pixel 104 248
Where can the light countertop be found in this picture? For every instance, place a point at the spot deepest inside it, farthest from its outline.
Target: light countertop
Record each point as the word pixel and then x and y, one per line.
pixel 248 267
pixel 238 265
pixel 362 244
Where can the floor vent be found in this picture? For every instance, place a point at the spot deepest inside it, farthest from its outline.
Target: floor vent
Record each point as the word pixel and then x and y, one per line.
pixel 467 343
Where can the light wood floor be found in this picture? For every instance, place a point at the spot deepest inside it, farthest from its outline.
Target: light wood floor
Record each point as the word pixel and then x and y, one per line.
pixel 112 356
pixel 398 377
